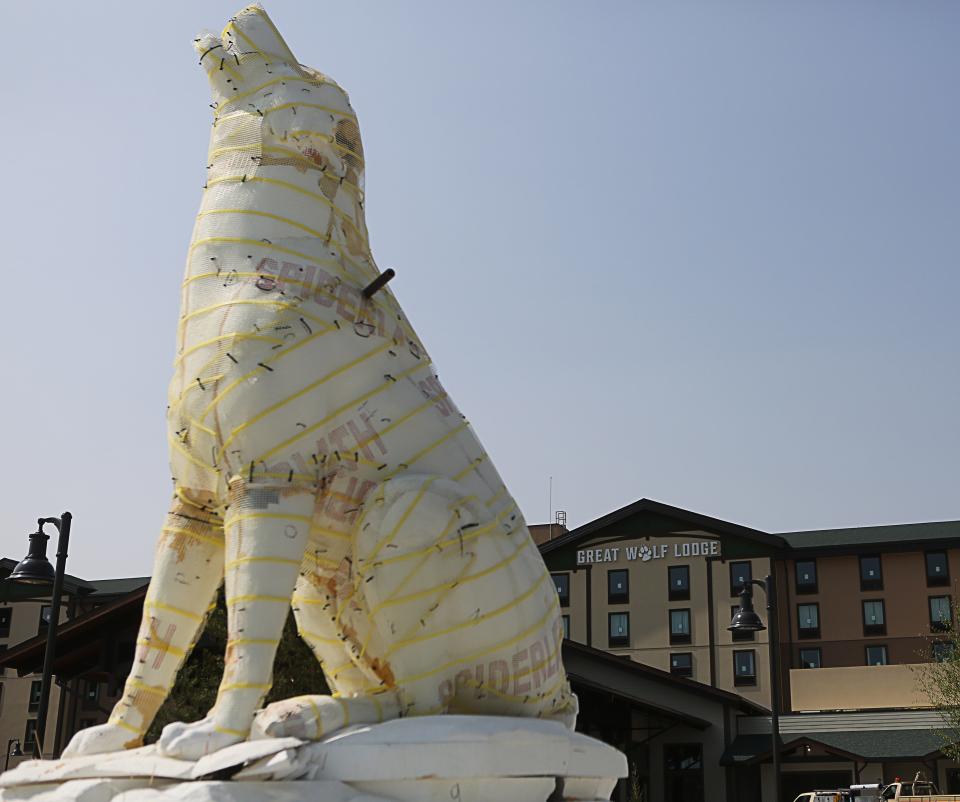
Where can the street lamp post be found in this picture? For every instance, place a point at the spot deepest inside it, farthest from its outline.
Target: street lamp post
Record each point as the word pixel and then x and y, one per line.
pixel 15 752
pixel 746 620
pixel 35 569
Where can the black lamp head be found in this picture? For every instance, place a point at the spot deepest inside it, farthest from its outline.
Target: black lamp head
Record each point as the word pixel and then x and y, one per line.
pixel 35 568
pixel 17 751
pixel 746 619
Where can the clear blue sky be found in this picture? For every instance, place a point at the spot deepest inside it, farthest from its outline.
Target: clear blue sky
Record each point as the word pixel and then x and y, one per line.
pixel 705 253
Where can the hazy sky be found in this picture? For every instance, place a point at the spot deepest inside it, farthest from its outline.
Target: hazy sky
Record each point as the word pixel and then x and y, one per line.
pixel 705 253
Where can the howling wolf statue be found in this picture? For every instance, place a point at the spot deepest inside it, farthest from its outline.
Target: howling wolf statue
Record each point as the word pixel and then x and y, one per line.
pixel 318 462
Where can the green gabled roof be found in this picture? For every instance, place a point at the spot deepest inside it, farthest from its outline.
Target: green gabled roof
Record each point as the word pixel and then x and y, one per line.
pixel 863 744
pixel 117 587
pixel 936 531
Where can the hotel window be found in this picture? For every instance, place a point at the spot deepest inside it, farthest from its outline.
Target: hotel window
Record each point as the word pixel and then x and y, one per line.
pixel 737 635
pixel 44 619
pixel 680 626
pixel 678 577
pixel 34 703
pixel 740 576
pixel 876 655
pixel 938 571
pixel 619 624
pixel 806 576
pixel 681 664
pixel 810 658
pixel 562 583
pixel 29 736
pixel 745 667
pixel 683 773
pixel 6 616
pixel 871 573
pixel 940 616
pixel 618 586
pixel 566 625
pixel 942 651
pixel 91 694
pixel 808 620
pixel 874 621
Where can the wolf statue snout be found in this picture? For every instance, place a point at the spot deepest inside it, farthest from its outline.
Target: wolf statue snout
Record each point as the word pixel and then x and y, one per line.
pixel 317 459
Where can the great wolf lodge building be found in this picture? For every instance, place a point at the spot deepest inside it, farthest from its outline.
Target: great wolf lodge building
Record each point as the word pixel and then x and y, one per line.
pixel 859 609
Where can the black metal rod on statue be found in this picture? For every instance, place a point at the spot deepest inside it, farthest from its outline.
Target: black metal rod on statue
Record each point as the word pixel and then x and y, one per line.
pixel 379 282
pixel 773 647
pixel 63 543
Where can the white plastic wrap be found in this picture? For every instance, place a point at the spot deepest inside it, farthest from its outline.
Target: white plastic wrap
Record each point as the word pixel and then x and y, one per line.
pixel 317 458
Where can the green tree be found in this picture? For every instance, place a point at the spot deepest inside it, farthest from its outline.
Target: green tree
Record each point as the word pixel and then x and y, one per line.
pixel 940 680
pixel 295 672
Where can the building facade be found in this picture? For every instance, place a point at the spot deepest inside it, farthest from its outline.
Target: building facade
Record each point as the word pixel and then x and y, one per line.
pixel 861 611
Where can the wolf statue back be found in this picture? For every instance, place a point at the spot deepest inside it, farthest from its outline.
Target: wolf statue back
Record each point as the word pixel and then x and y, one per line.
pixel 317 460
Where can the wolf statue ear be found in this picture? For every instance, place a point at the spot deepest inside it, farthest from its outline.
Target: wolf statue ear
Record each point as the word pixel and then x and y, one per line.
pixel 248 37
pixel 251 32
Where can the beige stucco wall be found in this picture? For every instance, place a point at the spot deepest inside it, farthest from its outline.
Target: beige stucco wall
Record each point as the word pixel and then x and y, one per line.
pixel 15 695
pixel 649 607
pixel 858 687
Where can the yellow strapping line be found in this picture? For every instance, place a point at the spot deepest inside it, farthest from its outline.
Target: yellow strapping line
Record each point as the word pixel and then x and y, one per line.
pixel 294 155
pixel 341 409
pixel 346 711
pixel 303 391
pixel 330 140
pixel 272 82
pixel 256 213
pixel 314 638
pixel 179 446
pixel 244 686
pixel 162 647
pixel 331 532
pixel 281 249
pixel 226 68
pixel 243 560
pixel 271 361
pixel 316 712
pixel 403 519
pixel 474 464
pixel 124 726
pixel 328 109
pixel 187 533
pixel 471 621
pixel 280 40
pixel 228 731
pixel 439 545
pixel 524 544
pixel 272 516
pixel 252 642
pixel 423 452
pixel 158 690
pixel 155 605
pixel 242 35
pixel 284 185
pixel 496 647
pixel 257 597
pixel 237 302
pixel 237 337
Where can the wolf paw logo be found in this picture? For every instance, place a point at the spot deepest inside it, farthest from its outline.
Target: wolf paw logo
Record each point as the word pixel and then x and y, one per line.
pixel 645 555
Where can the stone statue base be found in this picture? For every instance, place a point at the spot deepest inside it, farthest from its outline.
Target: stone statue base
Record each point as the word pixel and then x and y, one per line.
pixel 431 758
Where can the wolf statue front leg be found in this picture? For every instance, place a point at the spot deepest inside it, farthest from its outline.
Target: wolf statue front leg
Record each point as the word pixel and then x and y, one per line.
pixel 187 571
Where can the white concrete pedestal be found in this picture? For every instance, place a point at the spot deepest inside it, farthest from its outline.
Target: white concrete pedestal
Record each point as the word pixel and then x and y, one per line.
pixel 428 759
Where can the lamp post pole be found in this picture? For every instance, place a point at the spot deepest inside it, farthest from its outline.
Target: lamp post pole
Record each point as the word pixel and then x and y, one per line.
pixel 63 541
pixel 773 646
pixel 746 620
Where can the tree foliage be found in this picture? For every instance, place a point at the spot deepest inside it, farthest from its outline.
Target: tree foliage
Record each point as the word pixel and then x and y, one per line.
pixel 295 672
pixel 940 680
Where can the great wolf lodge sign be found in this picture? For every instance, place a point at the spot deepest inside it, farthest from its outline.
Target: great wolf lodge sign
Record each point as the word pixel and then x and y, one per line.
pixel 694 548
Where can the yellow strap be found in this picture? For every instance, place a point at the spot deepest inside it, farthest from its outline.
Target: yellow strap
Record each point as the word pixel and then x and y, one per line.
pixel 328 109
pixel 188 533
pixel 162 646
pixel 256 597
pixel 124 726
pixel 244 560
pixel 155 605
